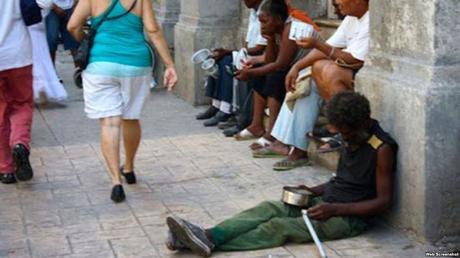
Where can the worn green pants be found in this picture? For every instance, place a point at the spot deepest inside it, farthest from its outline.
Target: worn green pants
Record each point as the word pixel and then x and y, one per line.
pixel 273 223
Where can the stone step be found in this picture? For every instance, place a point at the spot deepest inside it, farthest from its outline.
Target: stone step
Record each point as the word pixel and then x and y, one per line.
pixel 328 26
pixel 327 160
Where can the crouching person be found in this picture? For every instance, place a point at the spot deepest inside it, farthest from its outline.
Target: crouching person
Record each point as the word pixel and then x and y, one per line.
pixel 340 208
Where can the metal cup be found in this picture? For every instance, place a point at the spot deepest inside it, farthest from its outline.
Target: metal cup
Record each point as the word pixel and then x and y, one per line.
pixel 200 56
pixel 210 68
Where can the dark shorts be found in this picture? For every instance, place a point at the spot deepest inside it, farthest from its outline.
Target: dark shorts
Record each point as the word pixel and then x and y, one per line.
pixel 56 30
pixel 271 86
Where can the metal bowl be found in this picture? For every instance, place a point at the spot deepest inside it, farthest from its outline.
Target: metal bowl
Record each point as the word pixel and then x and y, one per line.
pixel 296 196
pixel 200 56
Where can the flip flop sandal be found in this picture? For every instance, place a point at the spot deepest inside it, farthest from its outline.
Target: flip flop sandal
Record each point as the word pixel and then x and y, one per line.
pixel 330 146
pixel 287 164
pixel 262 142
pixel 245 135
pixel 264 153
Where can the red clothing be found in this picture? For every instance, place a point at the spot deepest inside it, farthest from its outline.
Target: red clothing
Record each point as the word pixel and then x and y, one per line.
pixel 16 111
pixel 302 16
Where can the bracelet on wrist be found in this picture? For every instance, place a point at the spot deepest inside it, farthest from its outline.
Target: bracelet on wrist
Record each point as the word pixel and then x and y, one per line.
pixel 331 54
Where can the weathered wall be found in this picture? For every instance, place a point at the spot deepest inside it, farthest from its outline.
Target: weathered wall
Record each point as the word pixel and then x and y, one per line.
pixel 412 78
pixel 167 14
pixel 202 24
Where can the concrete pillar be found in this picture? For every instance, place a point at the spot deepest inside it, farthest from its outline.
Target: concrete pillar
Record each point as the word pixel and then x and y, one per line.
pixel 243 26
pixel 412 78
pixel 202 24
pixel 167 14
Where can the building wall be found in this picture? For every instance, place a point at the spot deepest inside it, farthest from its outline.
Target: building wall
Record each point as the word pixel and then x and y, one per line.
pixel 412 78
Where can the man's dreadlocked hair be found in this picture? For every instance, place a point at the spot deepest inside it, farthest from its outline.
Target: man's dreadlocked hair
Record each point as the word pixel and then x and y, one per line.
pixel 348 110
pixel 275 8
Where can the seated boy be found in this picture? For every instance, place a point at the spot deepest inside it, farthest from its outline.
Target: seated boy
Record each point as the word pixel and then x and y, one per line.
pixel 362 188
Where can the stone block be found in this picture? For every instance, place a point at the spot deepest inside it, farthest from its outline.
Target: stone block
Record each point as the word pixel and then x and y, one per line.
pixel 202 24
pixel 414 90
pixel 48 246
pixel 134 247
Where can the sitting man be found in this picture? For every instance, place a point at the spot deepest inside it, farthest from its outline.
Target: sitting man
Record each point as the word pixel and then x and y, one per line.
pixel 220 90
pixel 339 208
pixel 334 65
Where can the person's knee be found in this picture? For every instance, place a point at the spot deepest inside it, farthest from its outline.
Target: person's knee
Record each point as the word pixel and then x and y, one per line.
pixel 318 68
pixel 336 75
pixel 268 204
pixel 330 73
pixel 274 207
pixel 114 121
pixel 265 204
pixel 273 101
pixel 275 226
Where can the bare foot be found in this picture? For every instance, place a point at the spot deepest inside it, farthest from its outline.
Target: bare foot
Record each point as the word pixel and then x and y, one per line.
pixel 280 148
pixel 255 130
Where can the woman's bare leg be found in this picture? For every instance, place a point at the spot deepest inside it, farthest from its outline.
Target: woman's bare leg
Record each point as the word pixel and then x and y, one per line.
pixel 110 145
pixel 131 139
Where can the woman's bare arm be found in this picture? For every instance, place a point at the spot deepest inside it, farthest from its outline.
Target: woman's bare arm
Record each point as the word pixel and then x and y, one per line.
pixel 155 34
pixel 78 19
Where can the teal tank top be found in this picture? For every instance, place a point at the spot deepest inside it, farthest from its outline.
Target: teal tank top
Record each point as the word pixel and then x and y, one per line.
pixel 121 40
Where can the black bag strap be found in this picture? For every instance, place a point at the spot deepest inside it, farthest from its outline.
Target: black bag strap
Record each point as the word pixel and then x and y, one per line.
pixel 104 17
pixel 127 11
pixel 109 10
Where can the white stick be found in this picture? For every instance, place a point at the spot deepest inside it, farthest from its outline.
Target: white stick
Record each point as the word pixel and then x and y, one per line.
pixel 313 234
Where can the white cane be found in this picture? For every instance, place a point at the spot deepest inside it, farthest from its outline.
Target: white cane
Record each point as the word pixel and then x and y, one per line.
pixel 313 234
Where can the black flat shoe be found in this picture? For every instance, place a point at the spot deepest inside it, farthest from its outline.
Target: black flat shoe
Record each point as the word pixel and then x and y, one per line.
pixel 209 113
pixel 230 132
pixel 21 158
pixel 8 178
pixel 118 194
pixel 219 117
pixel 130 177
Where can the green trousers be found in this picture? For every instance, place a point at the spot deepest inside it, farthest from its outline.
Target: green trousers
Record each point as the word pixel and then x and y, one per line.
pixel 273 223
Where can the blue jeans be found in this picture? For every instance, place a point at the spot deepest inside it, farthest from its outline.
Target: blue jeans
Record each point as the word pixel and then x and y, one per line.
pixel 222 87
pixel 56 29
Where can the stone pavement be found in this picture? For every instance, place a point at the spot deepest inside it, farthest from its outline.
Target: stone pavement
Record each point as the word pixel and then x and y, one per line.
pixel 183 169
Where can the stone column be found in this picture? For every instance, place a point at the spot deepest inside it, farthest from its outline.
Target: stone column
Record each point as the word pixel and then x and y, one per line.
pixel 412 78
pixel 202 24
pixel 243 26
pixel 167 14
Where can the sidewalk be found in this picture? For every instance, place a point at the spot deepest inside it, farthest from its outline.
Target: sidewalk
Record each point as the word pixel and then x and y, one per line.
pixel 183 169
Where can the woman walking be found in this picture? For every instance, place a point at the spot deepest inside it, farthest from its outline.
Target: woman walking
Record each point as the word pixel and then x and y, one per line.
pixel 117 80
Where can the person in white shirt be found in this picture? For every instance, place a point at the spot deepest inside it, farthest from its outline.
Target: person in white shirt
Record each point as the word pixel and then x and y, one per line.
pixel 221 90
pixel 16 95
pixel 334 64
pixel 56 27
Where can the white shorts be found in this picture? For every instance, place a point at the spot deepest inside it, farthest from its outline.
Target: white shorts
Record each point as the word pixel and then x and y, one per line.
pixel 107 96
